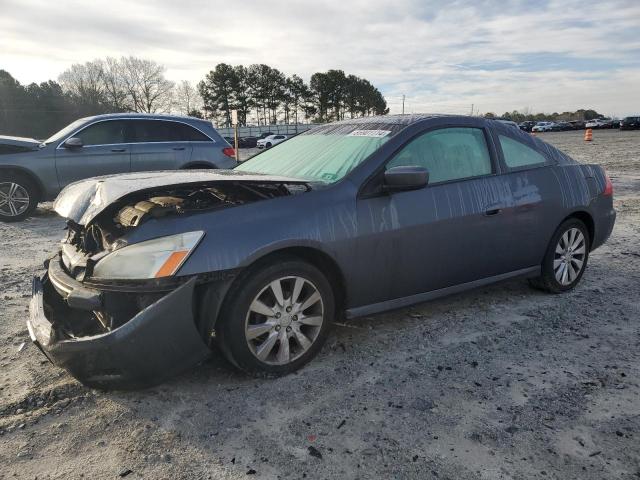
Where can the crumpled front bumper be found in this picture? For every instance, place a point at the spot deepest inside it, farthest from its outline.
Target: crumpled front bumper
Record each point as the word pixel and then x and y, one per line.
pixel 158 342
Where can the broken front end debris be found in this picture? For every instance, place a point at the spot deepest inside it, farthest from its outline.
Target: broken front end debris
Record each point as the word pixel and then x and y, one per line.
pixel 115 338
pixel 113 308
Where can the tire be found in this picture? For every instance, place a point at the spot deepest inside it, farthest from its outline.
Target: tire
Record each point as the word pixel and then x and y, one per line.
pixel 254 341
pixel 269 145
pixel 18 196
pixel 566 258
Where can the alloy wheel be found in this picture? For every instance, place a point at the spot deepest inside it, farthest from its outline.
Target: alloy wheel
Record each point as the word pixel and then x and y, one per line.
pixel 14 199
pixel 284 320
pixel 570 255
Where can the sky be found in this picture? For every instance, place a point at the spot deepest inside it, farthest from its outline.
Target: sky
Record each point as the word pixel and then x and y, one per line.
pixel 444 56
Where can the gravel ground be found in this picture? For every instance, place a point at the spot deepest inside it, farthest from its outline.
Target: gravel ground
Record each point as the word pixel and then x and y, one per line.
pixel 501 382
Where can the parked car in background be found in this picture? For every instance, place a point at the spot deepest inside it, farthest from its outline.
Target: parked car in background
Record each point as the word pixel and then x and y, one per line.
pixel 527 125
pixel 596 123
pixel 630 123
pixel 504 121
pixel 577 124
pixel 32 171
pixel 270 141
pixel 345 220
pixel 542 127
pixel 611 123
pixel 265 135
pixel 562 126
pixel 247 142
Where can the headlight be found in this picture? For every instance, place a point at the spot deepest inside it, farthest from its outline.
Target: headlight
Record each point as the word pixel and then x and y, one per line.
pixel 160 257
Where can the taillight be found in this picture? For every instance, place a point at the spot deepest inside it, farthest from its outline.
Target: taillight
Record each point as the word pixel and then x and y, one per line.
pixel 229 152
pixel 608 186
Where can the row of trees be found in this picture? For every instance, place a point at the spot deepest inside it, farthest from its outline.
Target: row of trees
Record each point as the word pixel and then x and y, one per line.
pixel 261 95
pixel 264 95
pixel 519 117
pixel 128 84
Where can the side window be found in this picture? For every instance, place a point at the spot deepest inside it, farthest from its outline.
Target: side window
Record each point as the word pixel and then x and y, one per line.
pixel 151 131
pixel 103 133
pixel 447 154
pixel 186 133
pixel 518 155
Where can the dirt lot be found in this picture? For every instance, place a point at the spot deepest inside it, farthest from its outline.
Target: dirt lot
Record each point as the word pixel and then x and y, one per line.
pixel 502 382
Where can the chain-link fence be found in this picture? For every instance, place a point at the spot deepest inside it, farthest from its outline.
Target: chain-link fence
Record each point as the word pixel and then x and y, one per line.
pixel 255 131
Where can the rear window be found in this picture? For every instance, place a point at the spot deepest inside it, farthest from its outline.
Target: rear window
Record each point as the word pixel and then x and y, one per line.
pixel 518 155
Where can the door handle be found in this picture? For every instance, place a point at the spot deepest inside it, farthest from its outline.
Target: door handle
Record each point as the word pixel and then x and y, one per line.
pixel 119 150
pixel 493 211
pixel 178 148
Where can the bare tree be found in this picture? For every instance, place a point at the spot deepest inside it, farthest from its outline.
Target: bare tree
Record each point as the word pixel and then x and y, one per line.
pixel 148 90
pixel 85 82
pixel 186 98
pixel 115 89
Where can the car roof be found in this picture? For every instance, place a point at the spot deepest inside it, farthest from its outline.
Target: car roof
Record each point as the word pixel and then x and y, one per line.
pixel 145 116
pixel 398 119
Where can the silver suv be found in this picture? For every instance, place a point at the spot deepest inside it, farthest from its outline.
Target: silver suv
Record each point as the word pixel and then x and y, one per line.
pixel 32 171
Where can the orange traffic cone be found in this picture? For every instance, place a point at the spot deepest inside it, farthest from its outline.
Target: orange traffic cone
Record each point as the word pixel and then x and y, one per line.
pixel 588 135
pixel 533 133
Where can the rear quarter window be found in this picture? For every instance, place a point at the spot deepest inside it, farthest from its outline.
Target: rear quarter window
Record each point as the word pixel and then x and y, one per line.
pixel 519 155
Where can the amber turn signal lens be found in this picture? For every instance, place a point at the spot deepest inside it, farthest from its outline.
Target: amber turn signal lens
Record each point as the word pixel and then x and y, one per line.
pixel 174 261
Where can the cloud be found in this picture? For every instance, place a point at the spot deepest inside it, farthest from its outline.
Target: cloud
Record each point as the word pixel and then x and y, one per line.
pixel 444 56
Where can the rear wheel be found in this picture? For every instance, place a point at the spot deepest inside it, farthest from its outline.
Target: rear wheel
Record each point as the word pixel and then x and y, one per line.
pixel 18 197
pixel 566 258
pixel 277 318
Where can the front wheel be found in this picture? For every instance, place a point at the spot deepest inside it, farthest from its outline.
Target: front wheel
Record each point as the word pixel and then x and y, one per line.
pixel 18 197
pixel 566 258
pixel 277 317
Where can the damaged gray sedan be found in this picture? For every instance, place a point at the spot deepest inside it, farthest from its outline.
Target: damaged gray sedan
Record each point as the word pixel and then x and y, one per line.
pixel 347 219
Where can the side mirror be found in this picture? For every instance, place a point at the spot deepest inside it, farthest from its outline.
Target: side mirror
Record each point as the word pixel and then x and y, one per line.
pixel 73 142
pixel 397 179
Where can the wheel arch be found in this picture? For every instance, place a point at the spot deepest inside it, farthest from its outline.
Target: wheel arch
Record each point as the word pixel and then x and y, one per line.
pixel 27 173
pixel 314 256
pixel 586 218
pixel 319 259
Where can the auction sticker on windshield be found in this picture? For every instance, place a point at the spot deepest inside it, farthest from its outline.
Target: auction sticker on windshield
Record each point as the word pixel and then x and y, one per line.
pixel 369 133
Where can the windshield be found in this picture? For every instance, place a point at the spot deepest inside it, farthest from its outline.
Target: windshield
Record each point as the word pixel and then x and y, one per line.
pixel 65 131
pixel 324 153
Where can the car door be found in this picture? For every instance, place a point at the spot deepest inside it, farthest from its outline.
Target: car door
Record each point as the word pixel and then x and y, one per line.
pixel 448 233
pixel 104 151
pixel 536 205
pixel 159 145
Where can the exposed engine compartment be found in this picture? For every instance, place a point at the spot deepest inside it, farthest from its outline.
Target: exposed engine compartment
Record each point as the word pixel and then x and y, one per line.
pixel 133 210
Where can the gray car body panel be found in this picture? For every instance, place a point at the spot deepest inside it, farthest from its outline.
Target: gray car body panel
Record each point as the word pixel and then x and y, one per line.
pixel 53 167
pixel 391 250
pixel 425 229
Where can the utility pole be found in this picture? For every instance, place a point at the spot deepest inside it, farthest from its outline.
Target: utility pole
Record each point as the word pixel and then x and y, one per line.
pixel 403 104
pixel 234 121
pixel 472 109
